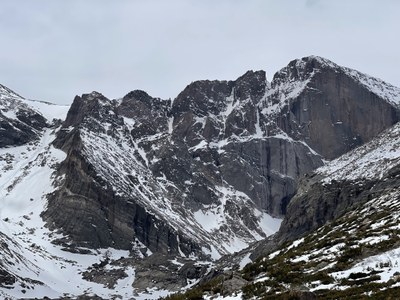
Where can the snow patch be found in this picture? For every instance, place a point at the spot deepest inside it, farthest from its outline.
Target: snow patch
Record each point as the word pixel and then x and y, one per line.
pixel 245 260
pixel 269 224
pixel 49 110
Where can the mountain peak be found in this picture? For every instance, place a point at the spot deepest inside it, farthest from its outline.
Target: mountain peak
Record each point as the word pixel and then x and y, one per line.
pixel 86 105
pixel 318 60
pixel 6 92
pixel 138 95
pixel 259 74
pixel 304 68
pixel 93 95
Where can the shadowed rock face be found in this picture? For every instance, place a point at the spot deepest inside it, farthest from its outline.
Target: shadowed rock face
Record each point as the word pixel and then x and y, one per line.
pixel 335 112
pixel 19 124
pixel 140 168
pixel 227 107
pixel 149 114
pixel 267 170
pixel 17 133
pixel 86 206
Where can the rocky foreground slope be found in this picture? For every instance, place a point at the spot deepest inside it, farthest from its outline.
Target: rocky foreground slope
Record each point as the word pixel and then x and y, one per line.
pixel 117 197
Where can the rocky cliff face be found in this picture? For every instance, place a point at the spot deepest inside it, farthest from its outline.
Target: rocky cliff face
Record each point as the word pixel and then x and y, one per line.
pixel 103 188
pixel 332 108
pixel 19 123
pixel 220 122
pixel 138 168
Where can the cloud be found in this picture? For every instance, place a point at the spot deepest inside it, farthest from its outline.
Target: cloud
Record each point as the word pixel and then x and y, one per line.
pixel 52 50
pixel 311 3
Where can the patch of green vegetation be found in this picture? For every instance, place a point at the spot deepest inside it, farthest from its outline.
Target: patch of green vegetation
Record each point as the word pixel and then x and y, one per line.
pixel 350 254
pixel 285 274
pixel 290 295
pixel 322 276
pixel 212 287
pixel 369 291
pixel 254 290
pixel 193 294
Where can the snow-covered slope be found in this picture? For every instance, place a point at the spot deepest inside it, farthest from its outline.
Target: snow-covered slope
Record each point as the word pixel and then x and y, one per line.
pixel 289 83
pixel 11 103
pixel 31 264
pixel 370 161
pixel 22 120
pixel 27 177
pixel 355 256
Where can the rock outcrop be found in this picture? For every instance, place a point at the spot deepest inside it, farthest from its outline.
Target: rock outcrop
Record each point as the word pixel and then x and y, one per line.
pixel 19 123
pixel 337 110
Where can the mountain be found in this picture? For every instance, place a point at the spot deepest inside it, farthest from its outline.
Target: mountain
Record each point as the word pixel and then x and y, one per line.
pixel 211 154
pixel 143 194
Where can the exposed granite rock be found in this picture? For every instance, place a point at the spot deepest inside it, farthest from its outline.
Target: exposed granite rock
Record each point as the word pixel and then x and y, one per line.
pixel 82 107
pixel 264 168
pixel 267 170
pixel 334 112
pixel 228 107
pixel 6 279
pixel 193 177
pixel 25 126
pixel 150 115
pixel 157 271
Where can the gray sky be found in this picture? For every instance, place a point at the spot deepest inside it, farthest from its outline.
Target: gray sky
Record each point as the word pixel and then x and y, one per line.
pixel 55 49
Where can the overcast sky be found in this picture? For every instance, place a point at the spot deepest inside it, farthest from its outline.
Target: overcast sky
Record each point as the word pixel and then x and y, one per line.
pixel 55 49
